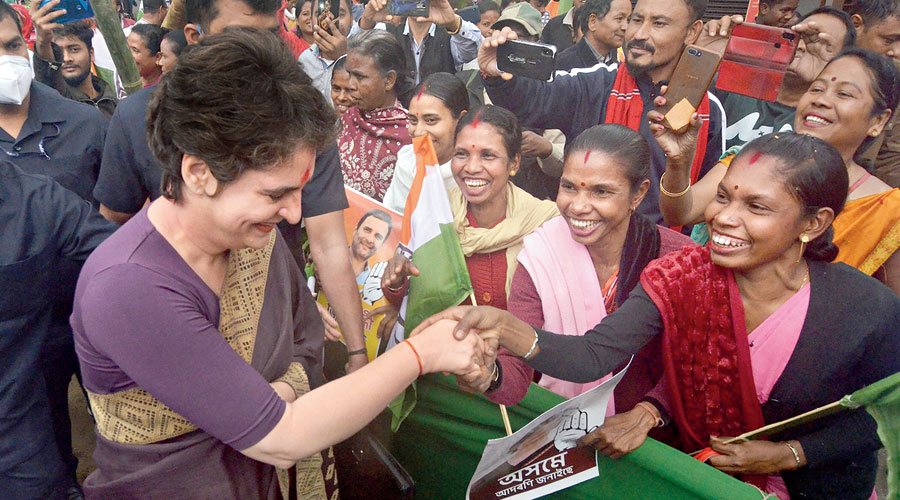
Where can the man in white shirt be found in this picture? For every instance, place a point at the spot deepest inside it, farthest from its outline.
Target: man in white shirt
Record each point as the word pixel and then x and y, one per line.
pixel 441 42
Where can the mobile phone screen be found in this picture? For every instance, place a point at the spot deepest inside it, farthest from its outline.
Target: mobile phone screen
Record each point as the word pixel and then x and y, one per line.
pixel 76 10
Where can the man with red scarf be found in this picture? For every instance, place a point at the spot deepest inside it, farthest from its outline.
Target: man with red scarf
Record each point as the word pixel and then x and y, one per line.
pixel 657 33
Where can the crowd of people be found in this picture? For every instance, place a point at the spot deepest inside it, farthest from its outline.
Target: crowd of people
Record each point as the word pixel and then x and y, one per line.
pixel 154 244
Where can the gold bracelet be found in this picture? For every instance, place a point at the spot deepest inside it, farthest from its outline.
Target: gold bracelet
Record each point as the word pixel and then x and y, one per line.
pixel 458 26
pixel 671 194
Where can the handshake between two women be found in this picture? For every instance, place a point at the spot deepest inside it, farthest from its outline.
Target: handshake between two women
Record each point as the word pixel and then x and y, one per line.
pixel 492 327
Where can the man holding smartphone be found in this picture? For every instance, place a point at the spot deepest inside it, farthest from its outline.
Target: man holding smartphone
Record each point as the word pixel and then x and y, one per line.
pixel 71 76
pixel 130 175
pixel 441 42
pixel 331 43
pixel 657 33
pixel 824 32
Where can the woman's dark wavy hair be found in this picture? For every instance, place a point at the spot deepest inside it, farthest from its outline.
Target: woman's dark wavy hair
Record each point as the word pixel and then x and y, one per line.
pixel 503 121
pixel 448 89
pixel 626 145
pixel 884 82
pixel 814 172
pixel 228 101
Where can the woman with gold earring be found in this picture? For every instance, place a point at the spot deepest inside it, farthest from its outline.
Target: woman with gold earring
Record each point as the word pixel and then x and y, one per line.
pixel 803 241
pixel 847 106
pixel 750 336
pixel 579 267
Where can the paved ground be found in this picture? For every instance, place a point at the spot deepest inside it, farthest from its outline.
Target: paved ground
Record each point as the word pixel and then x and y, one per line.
pixel 83 439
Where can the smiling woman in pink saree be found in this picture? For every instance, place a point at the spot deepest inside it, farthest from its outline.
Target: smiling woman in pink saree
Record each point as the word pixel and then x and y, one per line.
pixel 199 344
pixel 757 327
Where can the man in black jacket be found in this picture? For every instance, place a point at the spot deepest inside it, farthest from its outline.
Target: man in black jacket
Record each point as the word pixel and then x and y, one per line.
pixel 130 175
pixel 560 30
pixel 603 23
pixel 657 33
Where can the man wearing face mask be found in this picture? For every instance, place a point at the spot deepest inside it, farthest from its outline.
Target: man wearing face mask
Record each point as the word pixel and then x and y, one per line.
pixel 130 175
pixel 41 132
pixel 658 31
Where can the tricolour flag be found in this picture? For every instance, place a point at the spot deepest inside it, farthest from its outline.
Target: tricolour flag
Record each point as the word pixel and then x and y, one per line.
pixel 429 239
pixel 882 401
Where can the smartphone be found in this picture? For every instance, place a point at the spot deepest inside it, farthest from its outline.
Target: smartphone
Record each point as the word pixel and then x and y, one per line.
pixel 76 10
pixel 690 81
pixel 529 59
pixel 323 6
pixel 409 8
pixel 756 59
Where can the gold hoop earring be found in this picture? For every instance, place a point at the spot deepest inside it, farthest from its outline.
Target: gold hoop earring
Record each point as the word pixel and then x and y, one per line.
pixel 803 241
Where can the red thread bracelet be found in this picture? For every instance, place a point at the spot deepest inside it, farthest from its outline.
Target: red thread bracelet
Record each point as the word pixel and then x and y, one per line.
pixel 418 359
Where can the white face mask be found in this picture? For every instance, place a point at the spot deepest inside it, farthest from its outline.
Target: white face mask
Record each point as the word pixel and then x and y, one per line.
pixel 15 79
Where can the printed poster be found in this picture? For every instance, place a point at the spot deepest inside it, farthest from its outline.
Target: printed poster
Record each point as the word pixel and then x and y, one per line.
pixel 373 233
pixel 541 458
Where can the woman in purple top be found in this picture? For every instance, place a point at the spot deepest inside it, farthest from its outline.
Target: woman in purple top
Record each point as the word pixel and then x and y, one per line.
pixel 199 345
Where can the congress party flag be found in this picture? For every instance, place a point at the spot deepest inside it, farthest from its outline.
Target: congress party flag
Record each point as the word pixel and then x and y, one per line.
pixel 428 233
pixel 429 239
pixel 882 401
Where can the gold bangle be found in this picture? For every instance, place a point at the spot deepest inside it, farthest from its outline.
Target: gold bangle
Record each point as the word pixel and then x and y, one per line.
pixel 669 193
pixel 458 26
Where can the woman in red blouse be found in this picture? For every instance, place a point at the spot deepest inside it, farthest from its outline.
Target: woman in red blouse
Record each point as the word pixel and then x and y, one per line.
pixel 491 215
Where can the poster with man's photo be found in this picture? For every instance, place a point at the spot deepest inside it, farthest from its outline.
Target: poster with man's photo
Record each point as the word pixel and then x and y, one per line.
pixel 542 457
pixel 373 233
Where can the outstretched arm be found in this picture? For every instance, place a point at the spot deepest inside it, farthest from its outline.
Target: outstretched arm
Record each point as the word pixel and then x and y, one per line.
pixel 680 202
pixel 568 357
pixel 338 409
pixel 328 247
